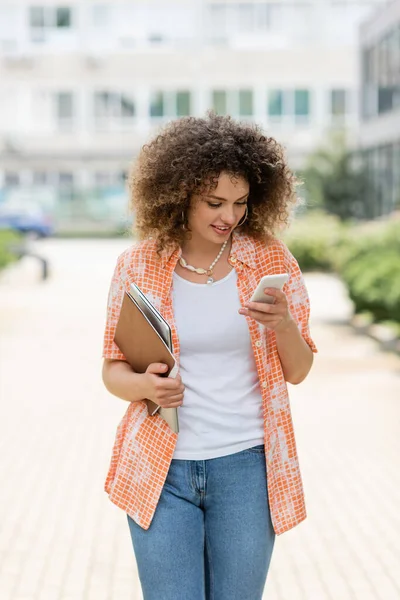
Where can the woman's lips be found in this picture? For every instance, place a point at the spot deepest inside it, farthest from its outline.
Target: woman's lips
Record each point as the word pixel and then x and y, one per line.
pixel 221 231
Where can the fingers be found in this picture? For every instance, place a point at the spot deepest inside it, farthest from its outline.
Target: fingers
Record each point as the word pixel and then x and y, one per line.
pixel 172 402
pixel 277 294
pixel 166 382
pixel 169 384
pixel 167 390
pixel 264 308
pixel 260 309
pixel 175 405
pixel 156 368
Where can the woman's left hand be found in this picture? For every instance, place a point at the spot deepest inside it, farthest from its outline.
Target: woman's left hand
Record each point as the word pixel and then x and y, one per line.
pixel 275 316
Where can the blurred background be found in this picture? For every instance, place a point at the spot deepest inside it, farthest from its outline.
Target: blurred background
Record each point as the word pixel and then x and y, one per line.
pixel 83 85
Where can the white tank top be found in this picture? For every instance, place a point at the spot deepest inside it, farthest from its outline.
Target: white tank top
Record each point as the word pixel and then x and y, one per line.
pixel 222 407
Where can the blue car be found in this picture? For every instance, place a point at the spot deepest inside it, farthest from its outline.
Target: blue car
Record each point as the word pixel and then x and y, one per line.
pixel 28 219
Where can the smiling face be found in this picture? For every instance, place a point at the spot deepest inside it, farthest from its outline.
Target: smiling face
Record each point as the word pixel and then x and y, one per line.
pixel 213 215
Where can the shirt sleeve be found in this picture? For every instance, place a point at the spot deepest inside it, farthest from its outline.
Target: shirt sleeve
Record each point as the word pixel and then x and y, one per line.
pixel 115 297
pixel 298 301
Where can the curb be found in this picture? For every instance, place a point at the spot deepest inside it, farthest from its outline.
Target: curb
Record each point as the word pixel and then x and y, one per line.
pixel 28 270
pixel 383 335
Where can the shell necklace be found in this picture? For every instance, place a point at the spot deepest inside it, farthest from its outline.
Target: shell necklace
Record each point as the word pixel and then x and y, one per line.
pixel 200 271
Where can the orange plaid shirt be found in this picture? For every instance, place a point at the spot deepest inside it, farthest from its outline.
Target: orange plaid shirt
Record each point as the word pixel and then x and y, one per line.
pixel 144 445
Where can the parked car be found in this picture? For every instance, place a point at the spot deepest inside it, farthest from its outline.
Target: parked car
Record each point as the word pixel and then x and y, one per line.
pixel 27 218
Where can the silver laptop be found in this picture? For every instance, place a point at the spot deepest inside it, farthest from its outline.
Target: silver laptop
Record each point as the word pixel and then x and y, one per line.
pixel 164 331
pixel 152 314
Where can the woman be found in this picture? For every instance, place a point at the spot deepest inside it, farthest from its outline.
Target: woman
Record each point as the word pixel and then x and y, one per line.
pixel 204 505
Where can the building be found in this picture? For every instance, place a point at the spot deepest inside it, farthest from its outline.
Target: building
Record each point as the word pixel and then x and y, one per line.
pixel 380 91
pixel 83 84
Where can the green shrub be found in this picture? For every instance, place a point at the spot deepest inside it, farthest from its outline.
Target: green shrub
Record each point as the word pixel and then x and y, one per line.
pixel 312 239
pixel 360 239
pixel 8 241
pixel 373 282
pixel 369 264
pixel 366 256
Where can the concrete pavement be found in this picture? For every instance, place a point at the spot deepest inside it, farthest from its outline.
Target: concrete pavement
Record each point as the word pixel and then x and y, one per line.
pixel 62 539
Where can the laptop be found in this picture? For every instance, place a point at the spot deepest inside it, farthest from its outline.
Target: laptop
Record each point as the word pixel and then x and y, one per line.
pixel 152 314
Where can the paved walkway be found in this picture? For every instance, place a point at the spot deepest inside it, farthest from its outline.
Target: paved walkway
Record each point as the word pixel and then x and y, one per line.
pixel 62 539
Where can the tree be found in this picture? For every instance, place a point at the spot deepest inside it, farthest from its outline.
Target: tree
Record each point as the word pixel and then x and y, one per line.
pixel 336 180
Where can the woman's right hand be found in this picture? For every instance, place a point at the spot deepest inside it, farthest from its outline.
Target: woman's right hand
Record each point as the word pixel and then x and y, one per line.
pixel 164 391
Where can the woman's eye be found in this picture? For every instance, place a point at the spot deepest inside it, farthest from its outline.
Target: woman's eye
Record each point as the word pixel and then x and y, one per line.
pixel 213 205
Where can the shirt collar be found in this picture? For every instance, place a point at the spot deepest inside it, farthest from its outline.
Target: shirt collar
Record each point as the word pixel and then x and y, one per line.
pixel 242 250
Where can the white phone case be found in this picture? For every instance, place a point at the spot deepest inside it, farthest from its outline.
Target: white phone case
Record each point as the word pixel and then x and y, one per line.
pixel 268 281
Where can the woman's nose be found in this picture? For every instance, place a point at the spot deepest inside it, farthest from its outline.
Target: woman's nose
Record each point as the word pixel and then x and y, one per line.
pixel 228 216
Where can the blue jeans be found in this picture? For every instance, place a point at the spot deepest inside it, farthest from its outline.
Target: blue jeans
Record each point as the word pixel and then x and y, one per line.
pixel 211 537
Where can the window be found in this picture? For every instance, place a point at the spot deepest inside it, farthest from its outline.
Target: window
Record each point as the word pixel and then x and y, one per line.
pixel 102 104
pixel 381 75
pixel 40 178
pixel 263 16
pixel 183 104
pixel 37 17
pixel 217 24
pixel 302 103
pixel 113 110
pixel 170 104
pixel 231 19
pixel 275 103
pixel 63 17
pixel 64 110
pixel 339 103
pixel 245 103
pixel 44 19
pixel 289 105
pixel 270 17
pixel 37 21
pixel 156 38
pixel 104 179
pixel 245 13
pixel 127 107
pixel 11 179
pixel 238 103
pixel 157 104
pixel 65 179
pixel 388 87
pixel 219 102
pixel 101 16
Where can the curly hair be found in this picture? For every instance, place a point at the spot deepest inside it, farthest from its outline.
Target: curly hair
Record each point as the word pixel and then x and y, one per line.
pixel 187 157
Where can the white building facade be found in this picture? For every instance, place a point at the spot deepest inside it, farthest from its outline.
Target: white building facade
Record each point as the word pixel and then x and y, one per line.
pixel 83 84
pixel 380 130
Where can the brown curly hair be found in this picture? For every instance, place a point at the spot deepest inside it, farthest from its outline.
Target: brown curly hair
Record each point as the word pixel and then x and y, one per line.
pixel 187 157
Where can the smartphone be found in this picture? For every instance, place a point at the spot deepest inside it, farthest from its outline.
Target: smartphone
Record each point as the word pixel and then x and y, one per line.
pixel 268 281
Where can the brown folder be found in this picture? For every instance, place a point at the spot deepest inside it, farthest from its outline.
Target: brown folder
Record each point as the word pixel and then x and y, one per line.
pixel 141 345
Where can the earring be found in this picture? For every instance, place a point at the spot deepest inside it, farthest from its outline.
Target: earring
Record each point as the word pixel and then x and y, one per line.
pixel 243 219
pixel 183 220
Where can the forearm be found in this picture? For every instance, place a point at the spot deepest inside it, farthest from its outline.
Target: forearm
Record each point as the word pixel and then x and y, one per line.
pixel 295 354
pixel 122 382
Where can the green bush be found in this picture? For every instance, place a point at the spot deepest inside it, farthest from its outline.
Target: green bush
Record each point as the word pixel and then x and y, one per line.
pixel 8 241
pixel 312 239
pixel 369 264
pixel 367 258
pixel 373 281
pixel 360 239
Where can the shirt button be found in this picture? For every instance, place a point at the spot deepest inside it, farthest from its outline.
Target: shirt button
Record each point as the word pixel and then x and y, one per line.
pixel 233 259
pixel 258 344
pixel 264 384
